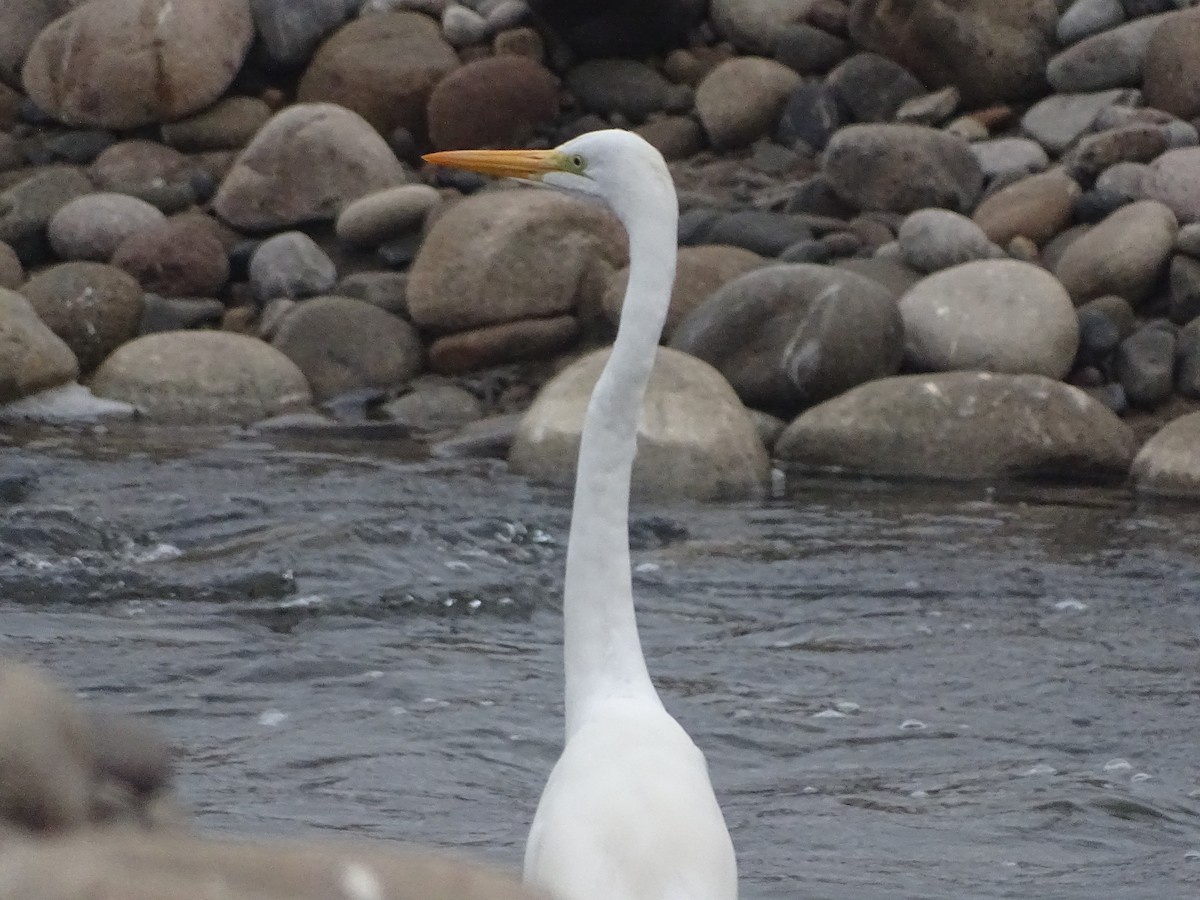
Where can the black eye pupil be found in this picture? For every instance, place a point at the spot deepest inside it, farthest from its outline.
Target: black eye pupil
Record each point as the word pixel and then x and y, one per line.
pixel 577 161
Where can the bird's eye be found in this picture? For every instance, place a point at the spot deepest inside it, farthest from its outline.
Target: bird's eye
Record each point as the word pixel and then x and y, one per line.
pixel 577 163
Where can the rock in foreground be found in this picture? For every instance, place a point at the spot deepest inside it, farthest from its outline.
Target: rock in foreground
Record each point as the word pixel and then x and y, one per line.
pixel 962 425
pixel 1169 463
pixel 695 439
pixel 34 357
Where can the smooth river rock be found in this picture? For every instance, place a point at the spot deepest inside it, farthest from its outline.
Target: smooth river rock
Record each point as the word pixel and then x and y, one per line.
pixel 962 425
pixel 933 239
pixel 996 315
pixel 1124 255
pixel 505 255
pixel 93 226
pixel 34 357
pixel 695 439
pixel 203 377
pixel 789 336
pixel 741 99
pixel 1169 463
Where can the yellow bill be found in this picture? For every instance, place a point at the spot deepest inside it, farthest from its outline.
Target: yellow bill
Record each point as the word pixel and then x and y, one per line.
pixel 500 163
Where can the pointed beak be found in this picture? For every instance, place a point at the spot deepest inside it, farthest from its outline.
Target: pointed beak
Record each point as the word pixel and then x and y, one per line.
pixel 530 164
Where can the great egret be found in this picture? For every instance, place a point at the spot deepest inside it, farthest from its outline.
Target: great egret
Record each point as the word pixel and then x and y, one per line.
pixel 629 812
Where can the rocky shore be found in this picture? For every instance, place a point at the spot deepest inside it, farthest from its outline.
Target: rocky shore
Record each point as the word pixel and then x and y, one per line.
pixel 928 239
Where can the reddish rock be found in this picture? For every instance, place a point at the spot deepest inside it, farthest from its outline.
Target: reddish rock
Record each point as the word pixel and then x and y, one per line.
pixel 499 344
pixel 495 102
pixel 176 258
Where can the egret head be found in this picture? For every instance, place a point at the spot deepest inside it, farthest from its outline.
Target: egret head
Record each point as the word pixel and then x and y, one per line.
pixel 614 166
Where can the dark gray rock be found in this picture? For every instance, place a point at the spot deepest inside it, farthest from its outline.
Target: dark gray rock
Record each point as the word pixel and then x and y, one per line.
pixel 625 86
pixel 1145 364
pixel 179 313
pixel 1183 293
pixel 763 232
pixel 812 115
pixel 291 29
pixel 601 28
pixel 27 207
pixel 872 87
pixel 290 265
pixel 789 336
pixel 1187 360
pixel 809 50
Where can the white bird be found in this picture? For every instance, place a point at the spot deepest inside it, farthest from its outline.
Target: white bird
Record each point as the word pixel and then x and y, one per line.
pixel 629 811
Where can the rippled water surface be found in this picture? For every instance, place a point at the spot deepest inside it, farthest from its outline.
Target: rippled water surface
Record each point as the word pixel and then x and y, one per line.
pixel 903 693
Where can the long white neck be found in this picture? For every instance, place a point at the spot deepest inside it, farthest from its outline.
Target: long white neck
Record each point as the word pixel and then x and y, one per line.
pixel 603 655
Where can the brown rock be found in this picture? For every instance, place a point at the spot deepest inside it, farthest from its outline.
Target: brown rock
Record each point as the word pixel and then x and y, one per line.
pixel 305 165
pixel 1171 71
pixel 1123 255
pixel 1037 207
pixel 20 23
pixel 226 125
pixel 92 306
pixel 382 67
pixel 27 207
pixel 125 63
pixel 675 137
pixel 12 273
pixel 176 258
pixel 740 100
pixel 699 271
pixel 34 357
pixel 1096 152
pixel 495 345
pixel 496 102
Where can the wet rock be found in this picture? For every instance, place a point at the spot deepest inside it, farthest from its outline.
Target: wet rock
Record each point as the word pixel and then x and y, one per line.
pixel 699 272
pixel 625 86
pixel 962 425
pixel 992 315
pixel 27 207
pixel 91 227
pixel 507 342
pixel 741 99
pixel 1124 255
pixel 789 336
pixel 342 344
pixel 1110 59
pixel 902 168
pixel 179 257
pixel 811 114
pixel 990 51
pixel 34 357
pixel 179 313
pixel 1145 365
pixel 500 101
pixel 809 50
pixel 1174 179
pixel 202 377
pixel 305 165
pixel 489 438
pixel 435 407
pixel 1168 464
pixel 229 124
pixel 1058 121
pixel 290 265
pixel 872 87
pixel 93 307
pixel 159 175
pixel 695 439
pixel 933 239
pixel 1037 207
pixel 753 26
pixel 378 217
pixel 382 67
pixel 291 29
pixel 90 67
pixel 1171 73
pixel 517 255
pixel 1083 18
pixel 12 273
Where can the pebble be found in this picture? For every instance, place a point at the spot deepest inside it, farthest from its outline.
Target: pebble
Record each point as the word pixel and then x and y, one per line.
pixel 374 218
pixel 462 26
pixel 180 257
pixel 227 125
pixel 27 207
pixel 740 100
pixel 1096 152
pixel 495 102
pixel 1145 365
pixel 812 114
pixel 1037 207
pixel 1010 158
pixel 1171 75
pixel 179 313
pixel 93 226
pixel 930 109
pixel 507 342
pixel 872 87
pixel 1183 291
pixel 933 239
pixel 387 290
pixel 1174 179
pixel 12 273
pixel 35 358
pixel 1058 121
pixel 291 265
pixel 809 50
pixel 434 407
pixel 1083 18
pixel 1124 255
pixel 1110 59
pixel 625 86
pixel 759 231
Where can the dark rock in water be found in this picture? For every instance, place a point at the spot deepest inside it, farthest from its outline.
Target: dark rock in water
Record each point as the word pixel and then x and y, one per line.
pixel 1183 295
pixel 1145 364
pixel 808 49
pixel 765 233
pixel 789 336
pixel 1187 360
pixel 598 28
pixel 812 114
pixel 872 87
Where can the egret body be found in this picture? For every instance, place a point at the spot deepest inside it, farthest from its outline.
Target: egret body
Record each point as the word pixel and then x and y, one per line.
pixel 629 811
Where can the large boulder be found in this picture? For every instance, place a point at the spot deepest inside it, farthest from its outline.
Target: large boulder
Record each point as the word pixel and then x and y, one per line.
pixel 93 307
pixel 34 357
pixel 789 336
pixel 998 315
pixel 305 165
pixel 342 344
pixel 1125 254
pixel 382 67
pixel 495 102
pixel 962 425
pixel 202 377
pixel 125 63
pixel 695 439
pixel 902 168
pixel 990 51
pixel 699 272
pixel 1169 463
pixel 505 255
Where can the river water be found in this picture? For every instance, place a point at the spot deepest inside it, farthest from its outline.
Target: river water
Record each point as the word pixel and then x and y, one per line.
pixel 910 692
